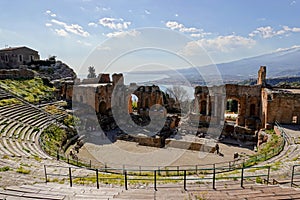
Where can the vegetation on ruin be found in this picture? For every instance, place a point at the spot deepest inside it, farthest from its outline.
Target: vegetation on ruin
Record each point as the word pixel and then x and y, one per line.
pixel 22 170
pixel 53 109
pixel 5 102
pixel 4 169
pixel 274 142
pixel 267 150
pixel 71 121
pixel 54 137
pixel 32 90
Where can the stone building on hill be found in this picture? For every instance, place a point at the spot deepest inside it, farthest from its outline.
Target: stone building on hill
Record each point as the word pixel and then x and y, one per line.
pixel 13 57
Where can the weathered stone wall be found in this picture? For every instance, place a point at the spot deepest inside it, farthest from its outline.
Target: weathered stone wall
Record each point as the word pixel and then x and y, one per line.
pixel 212 102
pixel 281 106
pixel 17 74
pixel 148 96
pixel 194 146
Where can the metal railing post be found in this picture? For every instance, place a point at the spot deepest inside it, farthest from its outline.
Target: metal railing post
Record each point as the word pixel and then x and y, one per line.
pixel 125 179
pixel 242 176
pixel 97 178
pixel 70 176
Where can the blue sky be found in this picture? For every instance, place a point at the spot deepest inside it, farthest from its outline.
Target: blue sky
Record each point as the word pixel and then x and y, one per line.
pixel 225 30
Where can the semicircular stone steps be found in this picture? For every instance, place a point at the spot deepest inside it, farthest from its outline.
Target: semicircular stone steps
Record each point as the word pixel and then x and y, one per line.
pixel 20 129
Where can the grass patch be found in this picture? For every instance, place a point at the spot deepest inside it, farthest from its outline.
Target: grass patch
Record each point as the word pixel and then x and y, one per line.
pixel 258 180
pixel 4 169
pixel 53 137
pixel 25 165
pixel 32 90
pixel 5 102
pixel 21 170
pixel 37 158
pixel 5 157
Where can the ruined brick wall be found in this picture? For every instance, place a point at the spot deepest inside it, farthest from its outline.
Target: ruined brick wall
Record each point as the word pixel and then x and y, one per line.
pixel 280 106
pixel 148 96
pixel 211 101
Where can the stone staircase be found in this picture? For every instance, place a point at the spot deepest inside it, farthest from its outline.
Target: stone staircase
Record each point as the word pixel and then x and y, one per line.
pixel 229 190
pixel 58 192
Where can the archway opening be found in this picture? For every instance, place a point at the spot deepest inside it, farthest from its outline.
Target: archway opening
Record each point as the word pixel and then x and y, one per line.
pixel 102 108
pixel 133 104
pixel 295 120
pixel 203 107
pixel 232 110
pixel 252 110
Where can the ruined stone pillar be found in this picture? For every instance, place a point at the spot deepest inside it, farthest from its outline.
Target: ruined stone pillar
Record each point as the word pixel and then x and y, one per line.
pixel 242 111
pixel 215 106
pixel 207 104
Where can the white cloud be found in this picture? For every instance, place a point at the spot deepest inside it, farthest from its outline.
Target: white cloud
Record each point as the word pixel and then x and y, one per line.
pixel 194 32
pixel 265 32
pixel 84 43
pixel 92 24
pixel 221 43
pixel 120 34
pixel 73 28
pixel 147 12
pixel 289 48
pixel 176 15
pixel 114 24
pixel 50 13
pixel 269 32
pixel 293 2
pixel 106 9
pixel 61 32
pixel 48 24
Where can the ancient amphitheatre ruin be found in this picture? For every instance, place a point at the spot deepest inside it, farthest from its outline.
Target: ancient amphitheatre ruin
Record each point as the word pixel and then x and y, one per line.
pixel 102 153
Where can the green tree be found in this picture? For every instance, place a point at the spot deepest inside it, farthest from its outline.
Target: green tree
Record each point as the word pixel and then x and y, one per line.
pixel 92 72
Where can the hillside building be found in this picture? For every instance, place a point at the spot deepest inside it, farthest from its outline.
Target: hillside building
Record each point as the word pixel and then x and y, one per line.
pixel 14 57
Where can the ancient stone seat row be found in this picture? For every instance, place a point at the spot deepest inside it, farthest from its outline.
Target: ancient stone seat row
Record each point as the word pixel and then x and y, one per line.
pixel 20 128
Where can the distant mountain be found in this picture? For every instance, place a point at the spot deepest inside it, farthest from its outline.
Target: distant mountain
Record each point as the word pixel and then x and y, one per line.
pixel 279 64
pixel 283 63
